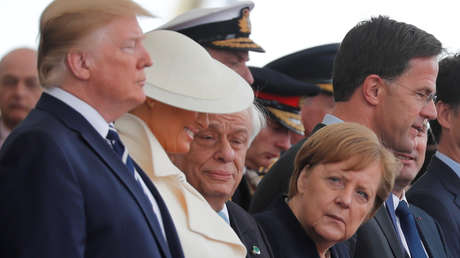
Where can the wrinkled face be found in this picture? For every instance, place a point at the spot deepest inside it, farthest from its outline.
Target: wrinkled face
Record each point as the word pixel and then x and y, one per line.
pixel 412 162
pixel 19 86
pixel 117 62
pixel 313 110
pixel 214 165
pixel 235 60
pixel 268 145
pixel 334 200
pixel 174 127
pixel 406 104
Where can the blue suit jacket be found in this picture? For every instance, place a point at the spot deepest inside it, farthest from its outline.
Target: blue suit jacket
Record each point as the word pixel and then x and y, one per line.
pixel 438 193
pixel 65 193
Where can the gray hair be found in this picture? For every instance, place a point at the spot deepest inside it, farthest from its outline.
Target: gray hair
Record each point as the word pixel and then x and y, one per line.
pixel 258 120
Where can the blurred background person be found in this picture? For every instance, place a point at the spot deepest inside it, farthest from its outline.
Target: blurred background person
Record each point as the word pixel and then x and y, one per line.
pixel 19 88
pixel 342 175
pixel 278 95
pixel 223 31
pixel 310 66
pixel 215 165
pixel 314 66
pixel 167 122
pixel 438 191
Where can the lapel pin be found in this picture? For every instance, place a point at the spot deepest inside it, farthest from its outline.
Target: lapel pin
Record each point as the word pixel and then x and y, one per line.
pixel 255 250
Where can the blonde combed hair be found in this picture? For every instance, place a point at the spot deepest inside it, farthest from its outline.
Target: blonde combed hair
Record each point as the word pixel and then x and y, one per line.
pixel 64 22
pixel 341 142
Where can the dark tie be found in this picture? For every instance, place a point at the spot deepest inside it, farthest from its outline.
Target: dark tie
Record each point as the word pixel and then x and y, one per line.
pixel 122 152
pixel 410 231
pixel 119 148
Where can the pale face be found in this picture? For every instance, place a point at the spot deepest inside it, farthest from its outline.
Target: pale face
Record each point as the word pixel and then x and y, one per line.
pixel 405 107
pixel 117 61
pixel 174 127
pixel 214 165
pixel 268 145
pixel 313 110
pixel 235 60
pixel 333 201
pixel 412 162
pixel 19 86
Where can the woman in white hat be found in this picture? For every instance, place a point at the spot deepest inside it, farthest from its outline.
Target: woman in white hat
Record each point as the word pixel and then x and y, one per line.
pixel 183 85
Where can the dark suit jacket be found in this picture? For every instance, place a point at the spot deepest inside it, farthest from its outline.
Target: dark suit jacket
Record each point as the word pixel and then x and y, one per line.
pixel 276 182
pixel 438 193
pixel 378 236
pixel 65 193
pixel 249 231
pixel 287 236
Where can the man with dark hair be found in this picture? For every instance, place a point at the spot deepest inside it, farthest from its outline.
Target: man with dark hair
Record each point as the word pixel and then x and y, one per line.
pixel 385 78
pixel 437 191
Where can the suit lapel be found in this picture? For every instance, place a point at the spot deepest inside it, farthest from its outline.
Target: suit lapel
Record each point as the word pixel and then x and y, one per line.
pixel 75 121
pixel 448 178
pixel 384 221
pixel 428 233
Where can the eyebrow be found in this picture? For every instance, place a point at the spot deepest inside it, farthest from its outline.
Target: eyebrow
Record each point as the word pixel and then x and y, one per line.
pixel 239 129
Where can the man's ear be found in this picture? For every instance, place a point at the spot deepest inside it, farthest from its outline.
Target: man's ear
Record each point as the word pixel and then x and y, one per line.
pixel 78 64
pixel 372 89
pixel 445 114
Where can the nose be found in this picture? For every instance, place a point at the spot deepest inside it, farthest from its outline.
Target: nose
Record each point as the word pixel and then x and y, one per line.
pixel 429 111
pixel 246 74
pixel 144 60
pixel 202 120
pixel 344 197
pixel 20 89
pixel 283 142
pixel 225 153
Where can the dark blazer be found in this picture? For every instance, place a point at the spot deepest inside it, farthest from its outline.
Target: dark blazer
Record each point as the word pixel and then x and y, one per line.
pixel 287 236
pixel 438 193
pixel 378 236
pixel 249 232
pixel 276 182
pixel 65 193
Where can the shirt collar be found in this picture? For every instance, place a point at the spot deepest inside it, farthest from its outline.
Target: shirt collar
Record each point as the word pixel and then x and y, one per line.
pixel 455 166
pixel 396 200
pixel 87 111
pixel 225 212
pixel 331 119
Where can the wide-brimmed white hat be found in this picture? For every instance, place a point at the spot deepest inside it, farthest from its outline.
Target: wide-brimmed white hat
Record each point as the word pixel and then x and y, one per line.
pixel 184 75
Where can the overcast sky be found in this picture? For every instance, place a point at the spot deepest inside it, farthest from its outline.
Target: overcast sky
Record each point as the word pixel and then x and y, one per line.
pixel 280 27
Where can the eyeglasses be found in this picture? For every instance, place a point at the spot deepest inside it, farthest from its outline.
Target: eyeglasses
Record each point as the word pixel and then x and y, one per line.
pixel 420 95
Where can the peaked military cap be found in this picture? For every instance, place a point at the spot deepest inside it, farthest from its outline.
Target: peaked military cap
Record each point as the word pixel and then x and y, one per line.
pixel 279 94
pixel 225 27
pixel 312 65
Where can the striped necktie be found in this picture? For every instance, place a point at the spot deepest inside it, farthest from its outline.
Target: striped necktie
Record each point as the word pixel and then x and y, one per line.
pixel 119 148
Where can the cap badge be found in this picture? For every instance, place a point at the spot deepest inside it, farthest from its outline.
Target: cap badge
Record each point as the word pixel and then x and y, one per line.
pixel 243 22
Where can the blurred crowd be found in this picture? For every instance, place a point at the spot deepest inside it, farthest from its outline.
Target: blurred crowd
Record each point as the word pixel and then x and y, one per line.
pixel 119 143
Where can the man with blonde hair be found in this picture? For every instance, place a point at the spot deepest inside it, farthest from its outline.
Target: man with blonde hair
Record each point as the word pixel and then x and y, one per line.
pixel 78 193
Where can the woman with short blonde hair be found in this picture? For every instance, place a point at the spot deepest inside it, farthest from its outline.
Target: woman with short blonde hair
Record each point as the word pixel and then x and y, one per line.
pixel 342 176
